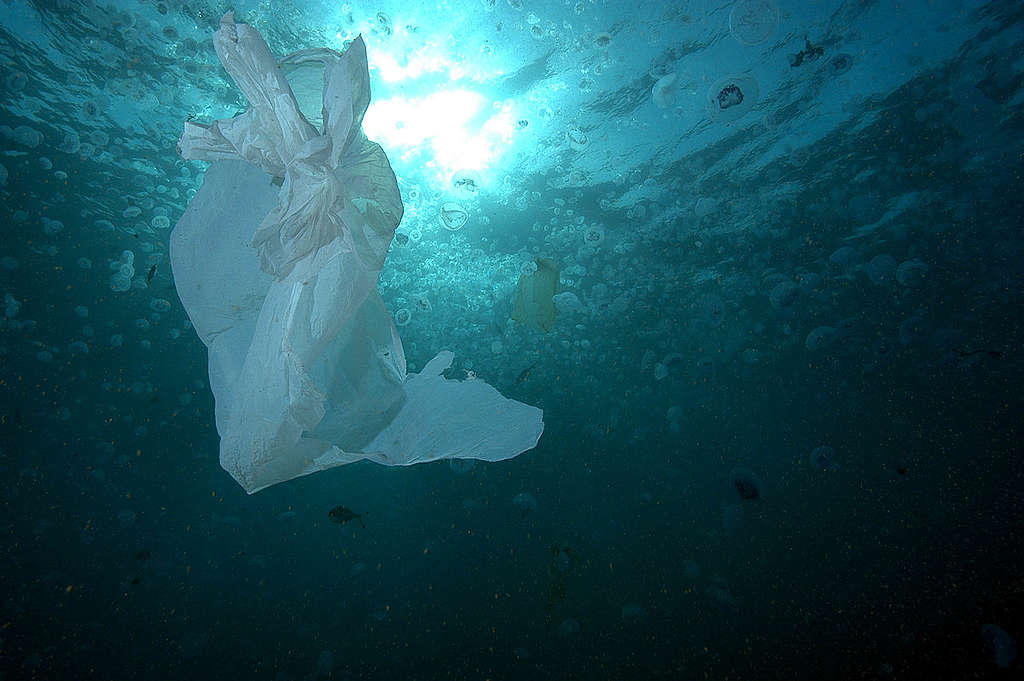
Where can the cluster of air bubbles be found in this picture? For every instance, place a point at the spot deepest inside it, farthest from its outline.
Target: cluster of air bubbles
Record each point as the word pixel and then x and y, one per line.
pixel 783 295
pixel 124 271
pixel 466 183
pixel 705 206
pixel 593 235
pixel 840 64
pixel 70 142
pixel 95 107
pixel 567 302
pixel 16 81
pixel 402 316
pixel 25 136
pixel 527 267
pixel 577 139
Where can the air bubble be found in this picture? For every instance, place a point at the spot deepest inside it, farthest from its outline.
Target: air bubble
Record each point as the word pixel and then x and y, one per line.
pixel 664 91
pixel 466 183
pixel 594 235
pixel 453 216
pixel 752 22
pixel 577 139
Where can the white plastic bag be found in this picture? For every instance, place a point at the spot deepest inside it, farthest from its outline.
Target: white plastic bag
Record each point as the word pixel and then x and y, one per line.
pixel 276 260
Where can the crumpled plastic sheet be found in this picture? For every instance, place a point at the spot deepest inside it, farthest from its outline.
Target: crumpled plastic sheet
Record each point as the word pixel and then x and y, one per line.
pixel 277 259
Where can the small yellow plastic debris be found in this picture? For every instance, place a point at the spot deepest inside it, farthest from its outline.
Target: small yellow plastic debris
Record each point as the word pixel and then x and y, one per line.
pixel 533 304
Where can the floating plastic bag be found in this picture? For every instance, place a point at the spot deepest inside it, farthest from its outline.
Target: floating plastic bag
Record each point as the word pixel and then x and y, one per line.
pixel 533 303
pixel 277 258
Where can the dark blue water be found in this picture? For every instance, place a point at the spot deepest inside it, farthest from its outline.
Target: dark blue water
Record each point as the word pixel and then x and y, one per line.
pixel 832 260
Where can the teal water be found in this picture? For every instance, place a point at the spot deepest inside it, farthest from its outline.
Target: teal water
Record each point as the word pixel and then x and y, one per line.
pixel 833 261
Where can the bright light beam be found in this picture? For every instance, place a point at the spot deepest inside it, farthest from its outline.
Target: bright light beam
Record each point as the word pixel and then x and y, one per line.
pixel 443 120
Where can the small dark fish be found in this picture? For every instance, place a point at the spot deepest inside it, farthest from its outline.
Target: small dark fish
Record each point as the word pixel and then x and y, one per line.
pixel 995 354
pixel 525 373
pixel 142 554
pixel 746 483
pixel 342 514
pixel 809 53
pixel 151 273
pixel 747 489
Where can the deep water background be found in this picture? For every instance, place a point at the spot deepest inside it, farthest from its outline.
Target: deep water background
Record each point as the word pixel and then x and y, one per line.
pixel 129 553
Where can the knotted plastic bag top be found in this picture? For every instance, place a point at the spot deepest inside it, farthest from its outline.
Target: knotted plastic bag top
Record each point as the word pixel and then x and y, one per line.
pixel 329 173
